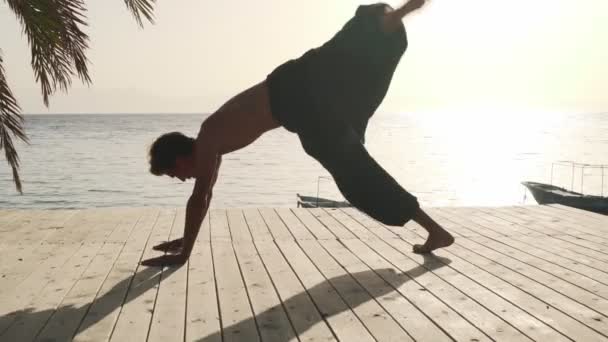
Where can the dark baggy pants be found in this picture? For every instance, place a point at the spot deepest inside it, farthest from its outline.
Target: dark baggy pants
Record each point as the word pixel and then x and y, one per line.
pixel 327 97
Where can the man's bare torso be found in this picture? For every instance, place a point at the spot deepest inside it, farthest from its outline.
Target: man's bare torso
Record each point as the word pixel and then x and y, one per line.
pixel 240 121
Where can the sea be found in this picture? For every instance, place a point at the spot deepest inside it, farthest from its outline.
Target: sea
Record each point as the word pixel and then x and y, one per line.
pixel 450 158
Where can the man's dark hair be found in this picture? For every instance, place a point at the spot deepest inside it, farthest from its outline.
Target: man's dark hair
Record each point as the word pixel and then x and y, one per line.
pixel 165 150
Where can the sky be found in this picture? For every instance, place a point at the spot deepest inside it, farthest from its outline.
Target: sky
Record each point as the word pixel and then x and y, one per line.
pixel 541 55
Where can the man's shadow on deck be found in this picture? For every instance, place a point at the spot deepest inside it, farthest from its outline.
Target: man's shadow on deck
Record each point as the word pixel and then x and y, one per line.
pixel 70 318
pixel 73 320
pixel 272 327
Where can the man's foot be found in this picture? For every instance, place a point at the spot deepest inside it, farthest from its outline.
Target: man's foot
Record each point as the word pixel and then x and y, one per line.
pixel 436 240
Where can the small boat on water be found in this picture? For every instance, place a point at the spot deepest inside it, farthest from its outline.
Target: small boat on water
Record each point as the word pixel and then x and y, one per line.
pixel 320 202
pixel 552 194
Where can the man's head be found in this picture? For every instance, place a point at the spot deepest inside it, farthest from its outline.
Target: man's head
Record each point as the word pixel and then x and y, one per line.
pixel 172 155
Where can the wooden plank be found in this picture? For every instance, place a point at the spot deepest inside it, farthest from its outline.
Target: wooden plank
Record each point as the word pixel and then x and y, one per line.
pixel 556 223
pixel 270 316
pixel 408 231
pixel 55 221
pixel 63 323
pixel 19 229
pixel 20 262
pixel 577 217
pixel 558 241
pixel 297 229
pixel 455 225
pixel 29 321
pixel 355 227
pixel 334 226
pixel 569 262
pixel 235 309
pixel 257 226
pixel 513 266
pixel 343 322
pixel 554 318
pixel 237 225
pixel 505 219
pixel 169 316
pixel 308 322
pixel 490 323
pixel 104 225
pixel 314 226
pixel 202 311
pixel 19 291
pixel 577 211
pixel 377 321
pixel 14 220
pixel 204 233
pixel 218 225
pixel 5 212
pixel 530 245
pixel 101 315
pixel 594 232
pixel 126 224
pixel 598 249
pixel 375 253
pixel 412 320
pixel 554 267
pixel 551 297
pixel 519 319
pixel 562 247
pixel 475 222
pixel 14 302
pixel 232 295
pixel 26 254
pixel 535 221
pixel 572 252
pixel 542 310
pixel 134 318
pixel 89 219
pixel 516 317
pixel 277 228
pixel 493 219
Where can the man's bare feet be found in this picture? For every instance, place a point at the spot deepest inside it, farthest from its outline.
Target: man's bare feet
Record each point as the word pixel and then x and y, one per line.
pixel 438 239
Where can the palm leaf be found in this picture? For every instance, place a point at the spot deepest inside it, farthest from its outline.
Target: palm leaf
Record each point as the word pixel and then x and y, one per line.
pixel 11 122
pixel 58 46
pixel 141 8
pixel 56 40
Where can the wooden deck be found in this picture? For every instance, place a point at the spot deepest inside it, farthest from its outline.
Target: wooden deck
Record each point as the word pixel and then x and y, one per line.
pixel 515 274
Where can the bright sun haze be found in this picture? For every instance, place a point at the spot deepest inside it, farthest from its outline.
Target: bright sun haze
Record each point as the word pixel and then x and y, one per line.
pixel 542 54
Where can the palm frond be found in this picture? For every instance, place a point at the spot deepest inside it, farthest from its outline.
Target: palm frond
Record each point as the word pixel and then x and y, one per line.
pixel 141 8
pixel 58 45
pixel 11 122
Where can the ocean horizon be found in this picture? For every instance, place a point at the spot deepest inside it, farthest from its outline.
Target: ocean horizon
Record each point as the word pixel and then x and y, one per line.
pixel 478 159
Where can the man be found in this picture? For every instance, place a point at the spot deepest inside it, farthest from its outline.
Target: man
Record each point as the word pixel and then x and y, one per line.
pixel 326 97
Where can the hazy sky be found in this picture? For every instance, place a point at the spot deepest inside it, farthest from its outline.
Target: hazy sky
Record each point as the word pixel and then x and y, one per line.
pixel 539 54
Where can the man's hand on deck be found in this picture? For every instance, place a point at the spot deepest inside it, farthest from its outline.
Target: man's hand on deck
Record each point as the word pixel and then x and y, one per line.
pixel 166 260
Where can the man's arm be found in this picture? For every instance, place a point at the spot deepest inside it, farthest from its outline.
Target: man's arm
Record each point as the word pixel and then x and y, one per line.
pixel 207 165
pixel 196 209
pixel 175 246
pixel 217 169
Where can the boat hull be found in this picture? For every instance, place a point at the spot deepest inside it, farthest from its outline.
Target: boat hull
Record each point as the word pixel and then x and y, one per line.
pixel 551 194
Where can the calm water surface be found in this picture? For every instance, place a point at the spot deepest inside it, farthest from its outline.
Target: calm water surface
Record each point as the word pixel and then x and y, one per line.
pixel 447 159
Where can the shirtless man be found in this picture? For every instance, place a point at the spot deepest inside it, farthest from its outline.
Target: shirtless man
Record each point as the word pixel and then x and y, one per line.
pixel 326 97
